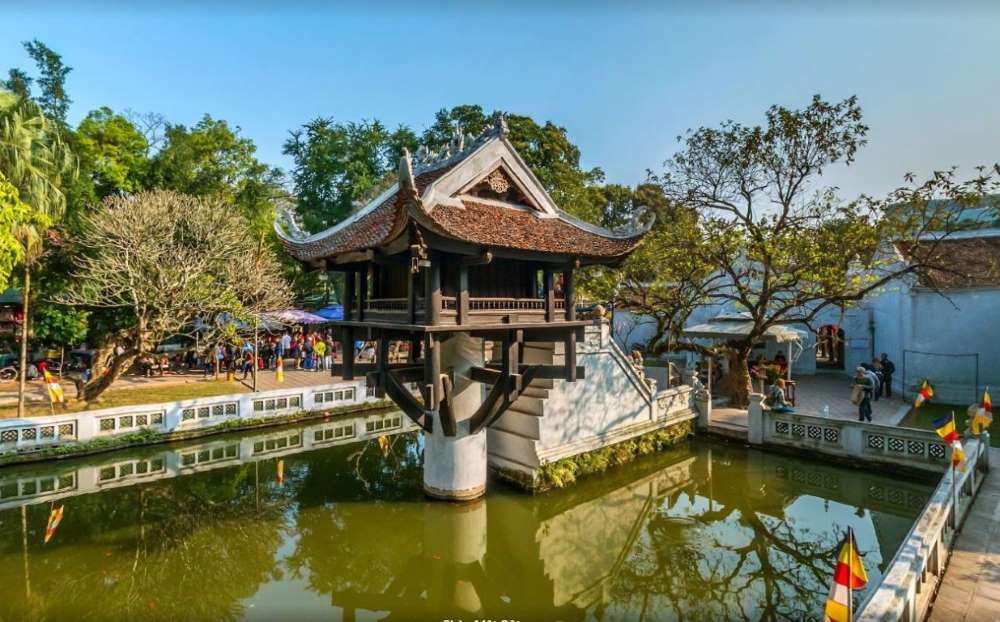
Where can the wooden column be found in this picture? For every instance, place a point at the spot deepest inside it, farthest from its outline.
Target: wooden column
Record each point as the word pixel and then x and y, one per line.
pixel 512 361
pixel 362 291
pixel 432 291
pixel 349 288
pixel 569 294
pixel 383 363
pixel 347 352
pixel 549 293
pixel 463 293
pixel 432 389
pixel 411 296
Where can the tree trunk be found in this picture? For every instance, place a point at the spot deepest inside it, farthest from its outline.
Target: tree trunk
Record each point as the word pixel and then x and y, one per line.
pixel 24 340
pixel 99 384
pixel 737 384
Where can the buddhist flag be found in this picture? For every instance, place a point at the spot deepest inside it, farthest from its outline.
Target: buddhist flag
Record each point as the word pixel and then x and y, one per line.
pixel 281 472
pixel 848 576
pixel 984 414
pixel 55 517
pixel 55 389
pixel 957 455
pixel 945 427
pixel 383 444
pixel 925 393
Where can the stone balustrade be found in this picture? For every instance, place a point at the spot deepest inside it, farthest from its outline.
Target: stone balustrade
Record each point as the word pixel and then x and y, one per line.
pixel 34 433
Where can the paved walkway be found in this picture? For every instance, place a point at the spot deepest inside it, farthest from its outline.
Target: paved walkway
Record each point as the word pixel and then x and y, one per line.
pixel 815 392
pixel 970 590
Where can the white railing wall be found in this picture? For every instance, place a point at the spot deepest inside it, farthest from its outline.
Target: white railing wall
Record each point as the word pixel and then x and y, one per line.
pixel 868 442
pixel 28 486
pixel 33 433
pixel 911 578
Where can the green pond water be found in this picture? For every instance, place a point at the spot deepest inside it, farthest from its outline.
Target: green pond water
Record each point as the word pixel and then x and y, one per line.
pixel 266 526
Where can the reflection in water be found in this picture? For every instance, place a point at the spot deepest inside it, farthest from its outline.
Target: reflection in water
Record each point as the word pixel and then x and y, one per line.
pixel 206 531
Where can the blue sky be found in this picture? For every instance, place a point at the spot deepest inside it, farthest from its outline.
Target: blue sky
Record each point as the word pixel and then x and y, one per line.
pixel 625 78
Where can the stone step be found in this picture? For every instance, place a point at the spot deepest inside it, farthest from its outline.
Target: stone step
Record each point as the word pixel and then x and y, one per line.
pixel 523 425
pixel 535 392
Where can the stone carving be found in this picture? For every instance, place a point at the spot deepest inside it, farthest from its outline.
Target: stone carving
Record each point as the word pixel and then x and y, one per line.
pixel 459 145
pixel 289 220
pixel 498 182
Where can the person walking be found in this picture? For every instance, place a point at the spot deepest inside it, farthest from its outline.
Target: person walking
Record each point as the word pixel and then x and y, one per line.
pixel 876 370
pixel 320 349
pixel 864 387
pixel 888 369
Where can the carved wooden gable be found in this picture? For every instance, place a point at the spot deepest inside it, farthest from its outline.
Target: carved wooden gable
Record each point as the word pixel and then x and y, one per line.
pixel 498 186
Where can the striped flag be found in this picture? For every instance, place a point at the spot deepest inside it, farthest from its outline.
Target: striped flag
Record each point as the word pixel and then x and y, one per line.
pixel 945 427
pixel 55 389
pixel 849 575
pixel 984 414
pixel 925 393
pixel 957 455
pixel 55 517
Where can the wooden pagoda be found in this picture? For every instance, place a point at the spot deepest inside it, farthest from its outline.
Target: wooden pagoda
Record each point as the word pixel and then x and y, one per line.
pixel 465 241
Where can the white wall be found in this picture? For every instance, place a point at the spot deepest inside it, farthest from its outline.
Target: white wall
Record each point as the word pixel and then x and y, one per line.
pixel 967 322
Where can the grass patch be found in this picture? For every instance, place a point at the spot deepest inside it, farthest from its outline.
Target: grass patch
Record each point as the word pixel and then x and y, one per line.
pixel 134 396
pixel 924 417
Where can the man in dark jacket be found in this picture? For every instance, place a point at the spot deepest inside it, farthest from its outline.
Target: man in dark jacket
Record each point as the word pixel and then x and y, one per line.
pixel 887 370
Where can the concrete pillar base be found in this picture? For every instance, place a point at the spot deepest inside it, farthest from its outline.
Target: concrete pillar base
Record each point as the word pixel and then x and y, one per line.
pixel 455 467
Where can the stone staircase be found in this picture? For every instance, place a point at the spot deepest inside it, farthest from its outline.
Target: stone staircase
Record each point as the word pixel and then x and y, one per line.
pixel 554 419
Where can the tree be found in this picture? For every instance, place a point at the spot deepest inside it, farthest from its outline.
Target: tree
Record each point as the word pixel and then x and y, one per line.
pixel 33 156
pixel 338 165
pixel 780 250
pixel 213 159
pixel 112 152
pixel 164 260
pixel 13 212
pixel 53 98
pixel 18 83
pixel 662 280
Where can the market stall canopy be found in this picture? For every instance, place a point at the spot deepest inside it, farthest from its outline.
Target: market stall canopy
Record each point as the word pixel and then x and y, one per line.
pixel 296 316
pixel 332 312
pixel 728 327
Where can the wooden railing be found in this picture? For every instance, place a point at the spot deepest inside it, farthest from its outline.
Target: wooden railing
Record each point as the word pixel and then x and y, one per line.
pixel 449 305
pixel 488 305
pixel 389 305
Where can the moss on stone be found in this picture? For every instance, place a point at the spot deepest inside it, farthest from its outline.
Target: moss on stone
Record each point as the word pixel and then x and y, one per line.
pixel 565 472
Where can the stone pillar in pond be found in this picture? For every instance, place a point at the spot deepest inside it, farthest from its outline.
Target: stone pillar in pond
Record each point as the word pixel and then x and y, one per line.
pixel 455 466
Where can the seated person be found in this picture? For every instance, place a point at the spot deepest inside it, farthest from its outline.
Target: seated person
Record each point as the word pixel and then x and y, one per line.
pixel 776 396
pixel 781 361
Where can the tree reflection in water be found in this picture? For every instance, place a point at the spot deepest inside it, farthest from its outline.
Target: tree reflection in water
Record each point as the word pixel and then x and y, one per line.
pixel 702 532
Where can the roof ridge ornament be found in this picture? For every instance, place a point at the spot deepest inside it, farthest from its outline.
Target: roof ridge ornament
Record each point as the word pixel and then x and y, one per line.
pixel 406 181
pixel 459 145
pixel 500 127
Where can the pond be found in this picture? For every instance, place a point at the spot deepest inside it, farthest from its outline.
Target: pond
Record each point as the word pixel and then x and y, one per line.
pixel 255 526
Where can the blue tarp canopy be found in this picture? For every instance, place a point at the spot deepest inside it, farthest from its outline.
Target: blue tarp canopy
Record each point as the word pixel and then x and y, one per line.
pixel 333 312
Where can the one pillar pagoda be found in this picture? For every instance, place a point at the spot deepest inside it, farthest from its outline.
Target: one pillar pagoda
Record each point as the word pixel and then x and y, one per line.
pixel 465 258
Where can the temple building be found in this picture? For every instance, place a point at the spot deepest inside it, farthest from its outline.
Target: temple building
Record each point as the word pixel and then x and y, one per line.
pixel 467 259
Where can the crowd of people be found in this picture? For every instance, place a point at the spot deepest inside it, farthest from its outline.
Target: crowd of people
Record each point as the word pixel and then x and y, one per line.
pixel 871 381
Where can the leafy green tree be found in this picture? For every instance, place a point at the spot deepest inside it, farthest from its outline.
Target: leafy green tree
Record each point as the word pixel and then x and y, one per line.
pixel 339 165
pixel 51 80
pixel 12 213
pixel 112 152
pixel 213 159
pixel 18 83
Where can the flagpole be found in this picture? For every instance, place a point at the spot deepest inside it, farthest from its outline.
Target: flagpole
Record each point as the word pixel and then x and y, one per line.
pixel 850 574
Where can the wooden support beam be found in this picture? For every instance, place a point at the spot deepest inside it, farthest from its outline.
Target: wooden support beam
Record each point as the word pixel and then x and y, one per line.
pixel 549 293
pixel 448 424
pixel 478 260
pixel 570 356
pixel 546 372
pixel 494 402
pixel 484 375
pixel 406 402
pixel 414 373
pixel 463 293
